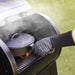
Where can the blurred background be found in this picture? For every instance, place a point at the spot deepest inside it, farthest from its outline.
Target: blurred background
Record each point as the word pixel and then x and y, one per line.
pixel 62 13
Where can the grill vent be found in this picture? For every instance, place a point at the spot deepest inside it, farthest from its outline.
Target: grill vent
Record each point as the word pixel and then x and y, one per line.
pixel 5 67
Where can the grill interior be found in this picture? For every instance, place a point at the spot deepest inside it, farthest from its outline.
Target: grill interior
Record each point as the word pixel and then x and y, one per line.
pixel 5 67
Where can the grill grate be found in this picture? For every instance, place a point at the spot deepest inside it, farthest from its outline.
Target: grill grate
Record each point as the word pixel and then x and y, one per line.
pixel 5 67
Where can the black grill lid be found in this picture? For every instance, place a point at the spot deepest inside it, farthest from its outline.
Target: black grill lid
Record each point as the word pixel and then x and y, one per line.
pixel 21 41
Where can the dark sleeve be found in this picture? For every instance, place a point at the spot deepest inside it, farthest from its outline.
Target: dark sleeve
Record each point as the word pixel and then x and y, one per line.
pixel 62 40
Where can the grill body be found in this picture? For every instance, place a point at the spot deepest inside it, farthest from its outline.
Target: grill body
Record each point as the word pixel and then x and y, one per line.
pixel 5 68
pixel 39 26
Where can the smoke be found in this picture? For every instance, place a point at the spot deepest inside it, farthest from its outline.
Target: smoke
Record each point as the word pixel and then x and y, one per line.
pixel 35 25
pixel 5 0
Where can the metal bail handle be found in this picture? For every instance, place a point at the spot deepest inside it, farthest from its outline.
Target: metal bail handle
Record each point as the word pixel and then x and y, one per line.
pixel 14 36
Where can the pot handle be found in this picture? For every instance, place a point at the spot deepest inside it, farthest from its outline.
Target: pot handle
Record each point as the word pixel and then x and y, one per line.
pixel 14 36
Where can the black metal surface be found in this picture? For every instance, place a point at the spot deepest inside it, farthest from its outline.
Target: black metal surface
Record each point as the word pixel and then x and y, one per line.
pixel 40 64
pixel 7 62
pixel 21 41
pixel 5 67
pixel 50 69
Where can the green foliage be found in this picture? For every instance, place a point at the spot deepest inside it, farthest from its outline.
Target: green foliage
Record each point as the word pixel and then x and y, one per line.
pixel 63 14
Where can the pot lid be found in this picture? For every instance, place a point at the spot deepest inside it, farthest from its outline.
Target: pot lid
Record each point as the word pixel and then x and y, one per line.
pixel 22 40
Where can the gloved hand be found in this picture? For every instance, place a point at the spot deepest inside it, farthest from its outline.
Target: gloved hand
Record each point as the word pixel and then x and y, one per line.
pixel 47 45
pixel 43 47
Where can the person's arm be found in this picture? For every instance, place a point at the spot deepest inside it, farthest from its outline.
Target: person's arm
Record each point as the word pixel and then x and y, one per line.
pixel 47 45
pixel 62 40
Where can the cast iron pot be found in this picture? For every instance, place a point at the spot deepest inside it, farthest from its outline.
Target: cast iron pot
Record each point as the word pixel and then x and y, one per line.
pixel 19 44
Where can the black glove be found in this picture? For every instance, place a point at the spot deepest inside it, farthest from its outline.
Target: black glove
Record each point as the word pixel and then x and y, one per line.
pixel 43 47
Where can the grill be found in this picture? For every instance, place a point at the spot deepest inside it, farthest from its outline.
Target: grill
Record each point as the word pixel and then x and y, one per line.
pixel 5 68
pixel 37 25
pixel 7 62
